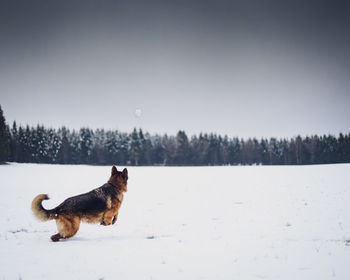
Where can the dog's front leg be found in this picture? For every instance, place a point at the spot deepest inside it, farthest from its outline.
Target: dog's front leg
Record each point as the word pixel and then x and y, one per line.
pixel 115 218
pixel 107 219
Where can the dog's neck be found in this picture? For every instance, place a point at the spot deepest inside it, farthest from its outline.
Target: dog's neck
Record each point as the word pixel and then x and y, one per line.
pixel 114 184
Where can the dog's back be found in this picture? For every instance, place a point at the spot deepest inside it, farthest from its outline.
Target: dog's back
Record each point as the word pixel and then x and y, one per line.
pixel 89 203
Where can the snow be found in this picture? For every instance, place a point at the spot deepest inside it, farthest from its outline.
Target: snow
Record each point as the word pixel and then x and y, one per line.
pixel 242 222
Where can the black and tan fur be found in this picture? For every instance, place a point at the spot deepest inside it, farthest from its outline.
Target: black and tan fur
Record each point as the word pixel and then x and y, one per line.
pixel 100 205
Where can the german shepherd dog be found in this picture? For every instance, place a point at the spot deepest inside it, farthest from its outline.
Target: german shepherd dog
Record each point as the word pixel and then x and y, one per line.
pixel 100 205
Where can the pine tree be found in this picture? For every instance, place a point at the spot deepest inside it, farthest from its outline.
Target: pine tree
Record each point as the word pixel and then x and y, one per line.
pixel 75 147
pixel 146 147
pixel 182 154
pixel 142 144
pixel 86 143
pixel 169 144
pixel 263 151
pixel 158 151
pixel 111 146
pixel 234 149
pixel 14 143
pixel 54 145
pixel 99 147
pixel 64 155
pixel 4 139
pixel 200 149
pixel 123 155
pixel 39 140
pixel 346 148
pixel 135 147
pixel 214 150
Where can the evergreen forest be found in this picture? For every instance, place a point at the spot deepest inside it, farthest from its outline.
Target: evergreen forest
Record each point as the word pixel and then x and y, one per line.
pixel 105 147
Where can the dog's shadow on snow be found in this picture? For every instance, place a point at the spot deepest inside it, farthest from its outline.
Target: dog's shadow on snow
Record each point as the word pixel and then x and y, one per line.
pixel 114 238
pixel 99 238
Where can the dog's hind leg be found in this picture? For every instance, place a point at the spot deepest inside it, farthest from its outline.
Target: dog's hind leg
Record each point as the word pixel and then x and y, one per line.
pixel 67 226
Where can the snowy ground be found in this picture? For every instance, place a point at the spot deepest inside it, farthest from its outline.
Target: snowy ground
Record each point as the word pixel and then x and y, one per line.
pixel 183 223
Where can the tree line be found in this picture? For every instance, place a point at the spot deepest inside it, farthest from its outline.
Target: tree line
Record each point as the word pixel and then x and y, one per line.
pixel 86 146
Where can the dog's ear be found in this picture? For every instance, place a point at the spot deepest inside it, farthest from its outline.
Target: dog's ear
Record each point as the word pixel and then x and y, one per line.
pixel 114 170
pixel 125 173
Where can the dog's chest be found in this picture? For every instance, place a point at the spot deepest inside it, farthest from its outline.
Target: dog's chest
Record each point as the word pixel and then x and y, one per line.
pixel 114 202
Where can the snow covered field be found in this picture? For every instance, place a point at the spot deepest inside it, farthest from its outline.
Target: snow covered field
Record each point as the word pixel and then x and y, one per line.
pixel 256 222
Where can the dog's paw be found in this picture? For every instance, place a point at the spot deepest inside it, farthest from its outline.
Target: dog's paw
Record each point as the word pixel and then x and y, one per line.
pixel 56 237
pixel 114 220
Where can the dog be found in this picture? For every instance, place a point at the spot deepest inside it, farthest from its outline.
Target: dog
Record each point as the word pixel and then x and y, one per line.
pixel 100 205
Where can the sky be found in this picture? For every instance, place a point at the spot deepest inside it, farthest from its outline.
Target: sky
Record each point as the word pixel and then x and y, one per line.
pixel 246 68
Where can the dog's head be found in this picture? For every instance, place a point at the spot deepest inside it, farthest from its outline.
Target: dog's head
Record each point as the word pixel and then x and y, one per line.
pixel 119 178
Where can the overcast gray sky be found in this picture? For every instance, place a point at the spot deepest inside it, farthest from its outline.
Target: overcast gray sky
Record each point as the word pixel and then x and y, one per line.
pixel 244 68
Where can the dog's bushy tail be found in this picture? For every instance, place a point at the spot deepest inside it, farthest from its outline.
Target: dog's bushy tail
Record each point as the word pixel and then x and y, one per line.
pixel 39 211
